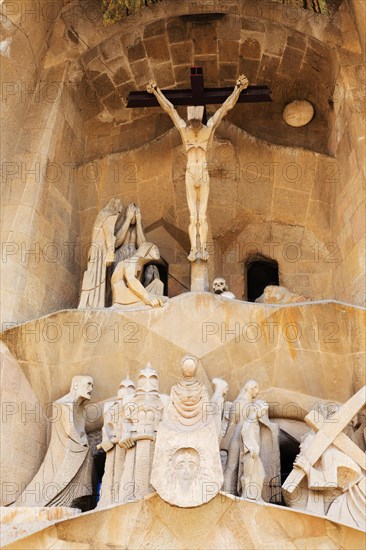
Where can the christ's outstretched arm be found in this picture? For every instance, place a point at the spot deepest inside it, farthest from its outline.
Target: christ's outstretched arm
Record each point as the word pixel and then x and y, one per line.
pixel 230 102
pixel 165 104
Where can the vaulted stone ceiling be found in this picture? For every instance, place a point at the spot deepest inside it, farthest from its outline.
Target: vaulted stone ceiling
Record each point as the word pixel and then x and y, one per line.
pixel 285 53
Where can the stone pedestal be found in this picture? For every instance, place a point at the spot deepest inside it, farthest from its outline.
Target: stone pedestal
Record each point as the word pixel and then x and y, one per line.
pixel 199 276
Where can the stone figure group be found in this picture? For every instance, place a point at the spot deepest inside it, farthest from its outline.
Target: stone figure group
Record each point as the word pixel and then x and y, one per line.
pixel 189 445
pixel 129 433
pixel 119 250
pixel 187 469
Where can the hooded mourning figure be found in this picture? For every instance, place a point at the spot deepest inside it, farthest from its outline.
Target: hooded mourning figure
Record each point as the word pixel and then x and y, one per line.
pixel 65 474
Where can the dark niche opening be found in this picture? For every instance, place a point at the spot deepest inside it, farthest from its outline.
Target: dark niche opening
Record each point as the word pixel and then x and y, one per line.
pixel 289 449
pixel 260 272
pixel 163 269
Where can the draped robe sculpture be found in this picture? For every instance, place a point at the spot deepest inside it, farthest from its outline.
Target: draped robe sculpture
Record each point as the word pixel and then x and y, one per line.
pixel 187 467
pixel 232 442
pixel 251 470
pixel 65 474
pixel 335 486
pixel 127 290
pixel 100 256
pixel 116 236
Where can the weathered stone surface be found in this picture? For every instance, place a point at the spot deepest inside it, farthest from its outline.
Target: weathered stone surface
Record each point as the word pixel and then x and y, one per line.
pixel 22 521
pixel 136 52
pixel 259 526
pixel 69 145
pixel 288 365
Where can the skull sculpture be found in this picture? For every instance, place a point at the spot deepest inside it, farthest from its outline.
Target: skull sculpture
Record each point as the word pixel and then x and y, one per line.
pixel 219 285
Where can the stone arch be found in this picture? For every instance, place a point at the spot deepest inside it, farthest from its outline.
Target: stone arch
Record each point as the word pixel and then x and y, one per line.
pixel 281 46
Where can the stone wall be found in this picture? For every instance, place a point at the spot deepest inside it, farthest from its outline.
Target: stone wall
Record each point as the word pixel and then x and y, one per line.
pixel 225 522
pixel 263 198
pixel 348 212
pixel 40 221
pixel 294 64
pixel 22 56
pixel 23 429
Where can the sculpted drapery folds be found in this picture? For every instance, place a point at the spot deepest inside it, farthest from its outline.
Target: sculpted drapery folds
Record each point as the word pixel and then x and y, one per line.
pixel 242 474
pixel 100 256
pixel 187 468
pixel 116 236
pixel 65 474
pixel 251 470
pixel 335 486
pixel 127 288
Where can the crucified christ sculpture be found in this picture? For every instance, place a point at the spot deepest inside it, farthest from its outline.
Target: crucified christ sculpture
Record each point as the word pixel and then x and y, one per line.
pixel 197 138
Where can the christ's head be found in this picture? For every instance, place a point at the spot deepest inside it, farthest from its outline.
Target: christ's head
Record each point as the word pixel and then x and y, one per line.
pixel 195 116
pixel 186 464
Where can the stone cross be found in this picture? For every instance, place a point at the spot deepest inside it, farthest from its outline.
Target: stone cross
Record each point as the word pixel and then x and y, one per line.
pixel 329 431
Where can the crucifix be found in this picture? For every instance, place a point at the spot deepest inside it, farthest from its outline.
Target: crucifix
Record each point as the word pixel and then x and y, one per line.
pixel 197 135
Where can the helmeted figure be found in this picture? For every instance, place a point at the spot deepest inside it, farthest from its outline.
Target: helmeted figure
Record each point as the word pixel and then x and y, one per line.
pixel 143 414
pixel 114 417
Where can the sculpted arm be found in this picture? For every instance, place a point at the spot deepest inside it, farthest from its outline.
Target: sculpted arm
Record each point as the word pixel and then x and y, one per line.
pixel 139 290
pixel 122 232
pixel 109 239
pixel 166 105
pixel 69 426
pixel 230 102
pixel 134 284
pixel 140 237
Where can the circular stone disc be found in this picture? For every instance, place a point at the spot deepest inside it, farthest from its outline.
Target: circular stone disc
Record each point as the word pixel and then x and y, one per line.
pixel 298 113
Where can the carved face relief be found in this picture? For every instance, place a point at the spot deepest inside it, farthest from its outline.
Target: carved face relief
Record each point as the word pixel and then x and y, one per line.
pixel 85 387
pixel 151 273
pixel 219 285
pixel 186 464
pixel 252 389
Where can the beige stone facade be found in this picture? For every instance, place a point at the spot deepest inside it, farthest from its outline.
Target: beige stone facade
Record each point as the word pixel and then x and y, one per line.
pixel 293 197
